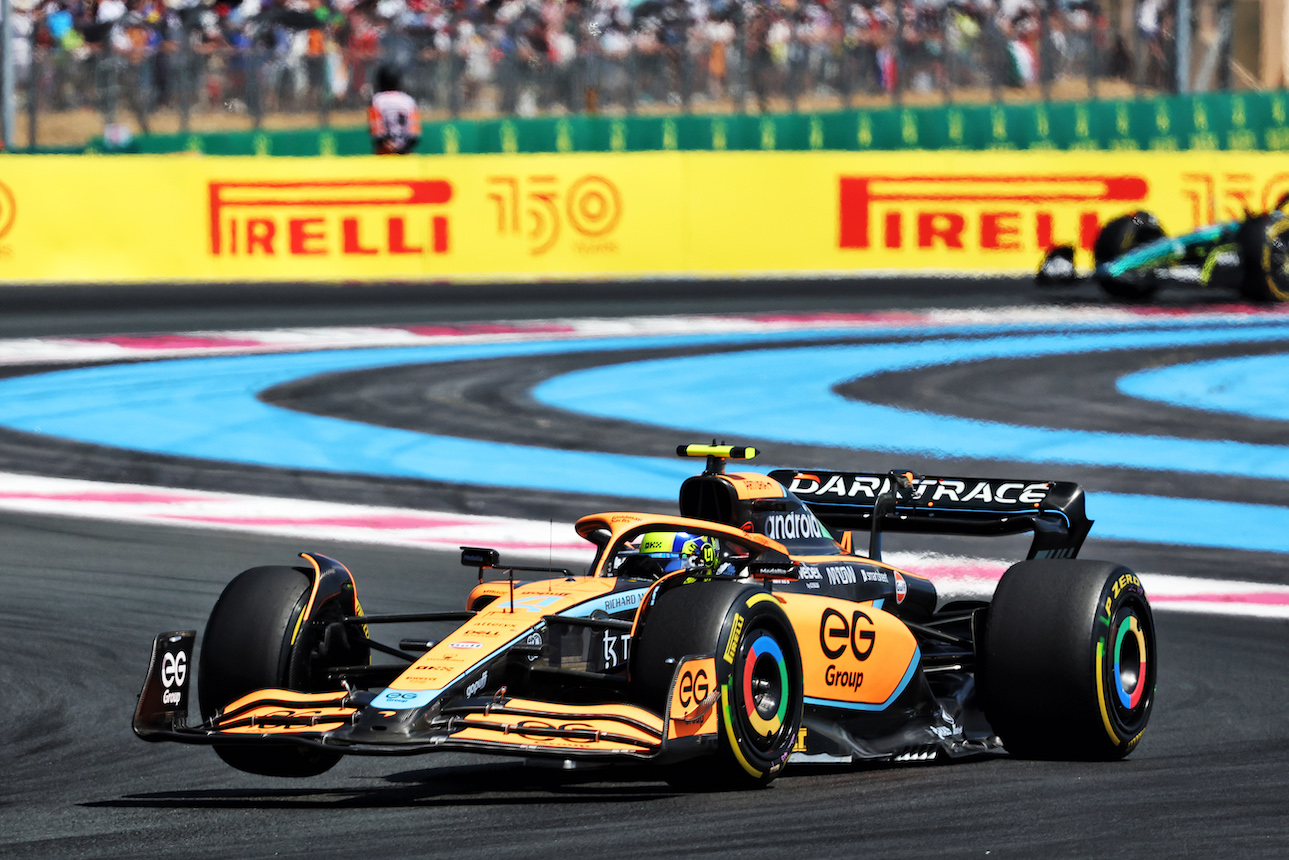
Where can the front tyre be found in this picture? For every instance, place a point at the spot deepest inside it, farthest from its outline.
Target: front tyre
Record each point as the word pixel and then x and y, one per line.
pixel 761 700
pixel 250 644
pixel 1068 663
pixel 1264 254
pixel 758 670
pixel 1118 237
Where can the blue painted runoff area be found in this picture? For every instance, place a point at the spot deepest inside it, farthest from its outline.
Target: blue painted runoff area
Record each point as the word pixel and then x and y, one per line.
pixel 790 395
pixel 767 389
pixel 1252 385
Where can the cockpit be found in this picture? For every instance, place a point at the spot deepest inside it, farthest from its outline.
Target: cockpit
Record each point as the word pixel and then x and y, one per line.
pixel 657 552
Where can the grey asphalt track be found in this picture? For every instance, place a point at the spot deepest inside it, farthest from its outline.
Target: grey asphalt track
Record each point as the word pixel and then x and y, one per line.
pixel 80 601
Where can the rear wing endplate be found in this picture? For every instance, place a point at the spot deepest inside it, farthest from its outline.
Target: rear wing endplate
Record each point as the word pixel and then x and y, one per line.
pixel 904 502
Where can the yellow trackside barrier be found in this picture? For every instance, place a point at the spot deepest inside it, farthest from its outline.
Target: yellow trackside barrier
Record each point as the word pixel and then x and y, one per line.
pixel 174 218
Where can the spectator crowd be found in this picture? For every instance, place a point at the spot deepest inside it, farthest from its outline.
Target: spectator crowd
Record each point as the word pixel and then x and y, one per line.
pixel 525 57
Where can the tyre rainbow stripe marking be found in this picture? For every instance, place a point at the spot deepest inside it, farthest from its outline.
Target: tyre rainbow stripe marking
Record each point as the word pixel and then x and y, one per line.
pixel 1105 712
pixel 732 737
pixel 1130 699
pixel 762 647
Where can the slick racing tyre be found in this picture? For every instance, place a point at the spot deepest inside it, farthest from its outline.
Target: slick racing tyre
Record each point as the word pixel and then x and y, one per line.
pixel 1117 238
pixel 1264 253
pixel 254 641
pixel 1067 666
pixel 758 675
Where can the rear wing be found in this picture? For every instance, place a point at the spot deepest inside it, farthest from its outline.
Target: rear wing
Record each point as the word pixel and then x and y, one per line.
pixel 904 502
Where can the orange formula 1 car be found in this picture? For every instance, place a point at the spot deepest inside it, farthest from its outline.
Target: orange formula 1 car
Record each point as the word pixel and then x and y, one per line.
pixel 720 645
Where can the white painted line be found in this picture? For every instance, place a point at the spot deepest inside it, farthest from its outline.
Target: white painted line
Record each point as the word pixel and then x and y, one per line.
pixel 67 350
pixel 960 578
pixel 955 577
pixel 299 518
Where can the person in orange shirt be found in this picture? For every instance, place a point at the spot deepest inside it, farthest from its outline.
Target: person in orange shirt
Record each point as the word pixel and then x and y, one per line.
pixel 393 118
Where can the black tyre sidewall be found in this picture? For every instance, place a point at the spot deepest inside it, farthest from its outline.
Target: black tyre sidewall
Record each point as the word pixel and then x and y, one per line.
pixel 683 620
pixel 1125 605
pixel 247 646
pixel 247 642
pixel 766 752
pixel 1261 242
pixel 1116 238
pixel 1047 659
pixel 700 618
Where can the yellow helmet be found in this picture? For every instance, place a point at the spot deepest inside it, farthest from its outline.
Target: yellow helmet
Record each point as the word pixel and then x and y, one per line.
pixel 677 550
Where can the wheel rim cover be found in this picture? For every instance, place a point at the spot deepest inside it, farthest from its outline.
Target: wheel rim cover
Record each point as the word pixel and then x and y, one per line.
pixel 764 661
pixel 1130 665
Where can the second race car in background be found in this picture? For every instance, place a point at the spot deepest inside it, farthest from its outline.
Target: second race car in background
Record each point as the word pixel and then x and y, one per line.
pixel 1134 257
pixel 720 645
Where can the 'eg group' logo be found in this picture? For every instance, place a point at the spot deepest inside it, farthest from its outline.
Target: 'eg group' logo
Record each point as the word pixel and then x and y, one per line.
pixel 989 213
pixel 174 668
pixel 329 218
pixel 694 687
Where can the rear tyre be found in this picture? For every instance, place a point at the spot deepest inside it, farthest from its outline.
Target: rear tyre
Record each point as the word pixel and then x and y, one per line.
pixel 248 645
pixel 760 705
pixel 1118 237
pixel 1068 660
pixel 1264 253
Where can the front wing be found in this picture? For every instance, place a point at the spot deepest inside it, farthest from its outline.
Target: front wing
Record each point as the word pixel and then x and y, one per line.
pixel 497 724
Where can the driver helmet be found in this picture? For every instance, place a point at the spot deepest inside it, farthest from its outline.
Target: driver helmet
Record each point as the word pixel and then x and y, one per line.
pixel 680 550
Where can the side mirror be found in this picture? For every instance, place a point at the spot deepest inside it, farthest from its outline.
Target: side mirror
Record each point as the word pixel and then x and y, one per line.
pixel 773 565
pixel 773 569
pixel 475 556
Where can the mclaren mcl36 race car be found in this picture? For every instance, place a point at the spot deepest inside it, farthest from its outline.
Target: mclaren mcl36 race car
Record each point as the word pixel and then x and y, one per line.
pixel 1134 258
pixel 721 645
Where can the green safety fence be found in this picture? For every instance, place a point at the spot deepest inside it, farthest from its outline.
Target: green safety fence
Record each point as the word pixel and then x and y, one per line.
pixel 1252 121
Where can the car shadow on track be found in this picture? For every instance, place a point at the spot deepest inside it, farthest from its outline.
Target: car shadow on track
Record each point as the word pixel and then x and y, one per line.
pixel 506 783
pixel 492 784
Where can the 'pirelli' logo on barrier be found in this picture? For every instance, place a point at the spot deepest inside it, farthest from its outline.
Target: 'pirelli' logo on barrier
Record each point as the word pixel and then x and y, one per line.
pixel 315 219
pixel 991 213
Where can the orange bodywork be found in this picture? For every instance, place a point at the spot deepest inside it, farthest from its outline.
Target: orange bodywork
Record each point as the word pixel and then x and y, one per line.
pixel 753 485
pixel 285 712
pixel 497 625
pixel 598 728
pixel 693 699
pixel 850 652
pixel 269 720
